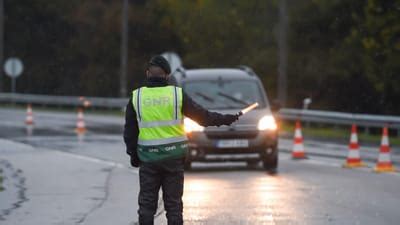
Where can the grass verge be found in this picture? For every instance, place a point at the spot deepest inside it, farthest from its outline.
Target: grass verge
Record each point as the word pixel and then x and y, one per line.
pixel 341 133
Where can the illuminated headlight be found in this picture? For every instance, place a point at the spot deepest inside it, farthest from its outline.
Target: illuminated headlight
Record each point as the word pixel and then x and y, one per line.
pixel 267 123
pixel 191 126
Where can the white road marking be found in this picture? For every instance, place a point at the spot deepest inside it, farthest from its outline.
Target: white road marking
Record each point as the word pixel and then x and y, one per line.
pixel 26 147
pixel 100 161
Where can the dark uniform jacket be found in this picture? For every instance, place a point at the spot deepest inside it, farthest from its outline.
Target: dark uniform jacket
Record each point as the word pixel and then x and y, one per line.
pixel 190 109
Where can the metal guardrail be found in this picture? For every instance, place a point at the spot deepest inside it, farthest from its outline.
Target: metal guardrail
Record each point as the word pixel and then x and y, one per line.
pixel 52 100
pixel 315 116
pixel 340 118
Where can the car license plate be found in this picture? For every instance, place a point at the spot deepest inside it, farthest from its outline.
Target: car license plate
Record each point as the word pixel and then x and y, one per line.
pixel 236 143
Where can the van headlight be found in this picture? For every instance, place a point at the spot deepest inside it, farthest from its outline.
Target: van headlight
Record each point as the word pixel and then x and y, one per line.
pixel 267 123
pixel 190 126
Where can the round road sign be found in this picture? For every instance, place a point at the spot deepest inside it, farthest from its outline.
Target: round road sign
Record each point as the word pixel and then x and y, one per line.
pixel 13 67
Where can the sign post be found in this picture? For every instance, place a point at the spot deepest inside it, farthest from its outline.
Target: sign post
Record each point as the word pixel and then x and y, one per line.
pixel 13 68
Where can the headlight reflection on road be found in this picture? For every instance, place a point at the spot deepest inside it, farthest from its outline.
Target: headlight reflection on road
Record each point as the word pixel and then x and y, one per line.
pixel 240 198
pixel 196 198
pixel 196 192
pixel 268 196
pixel 268 188
pixel 278 198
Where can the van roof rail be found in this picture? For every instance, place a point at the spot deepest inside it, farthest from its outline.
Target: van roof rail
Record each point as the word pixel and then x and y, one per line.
pixel 182 71
pixel 247 69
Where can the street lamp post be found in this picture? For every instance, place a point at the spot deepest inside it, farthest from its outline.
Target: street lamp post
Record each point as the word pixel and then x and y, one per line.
pixel 124 49
pixel 1 43
pixel 282 52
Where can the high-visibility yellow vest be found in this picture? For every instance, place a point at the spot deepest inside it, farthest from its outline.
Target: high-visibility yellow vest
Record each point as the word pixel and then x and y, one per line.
pixel 160 119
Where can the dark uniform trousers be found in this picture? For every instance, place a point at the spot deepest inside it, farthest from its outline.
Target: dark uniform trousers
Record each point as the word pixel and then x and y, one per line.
pixel 167 175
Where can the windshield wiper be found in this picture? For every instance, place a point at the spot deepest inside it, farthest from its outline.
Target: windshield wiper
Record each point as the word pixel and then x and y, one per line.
pixel 236 100
pixel 210 99
pixel 204 96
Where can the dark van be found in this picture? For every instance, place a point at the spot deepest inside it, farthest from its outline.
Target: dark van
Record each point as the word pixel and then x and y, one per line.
pixel 253 138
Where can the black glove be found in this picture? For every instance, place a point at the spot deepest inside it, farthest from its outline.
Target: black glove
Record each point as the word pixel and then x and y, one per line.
pixel 135 161
pixel 229 119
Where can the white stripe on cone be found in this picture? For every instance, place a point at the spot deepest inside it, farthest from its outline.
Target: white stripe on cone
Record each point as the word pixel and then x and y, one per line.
pixel 297 133
pixel 29 119
pixel 80 124
pixel 384 163
pixel 385 141
pixel 298 148
pixel 353 138
pixel 384 157
pixel 29 116
pixel 353 154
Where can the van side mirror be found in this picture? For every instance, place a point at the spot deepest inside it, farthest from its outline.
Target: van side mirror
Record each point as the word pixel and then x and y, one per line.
pixel 276 106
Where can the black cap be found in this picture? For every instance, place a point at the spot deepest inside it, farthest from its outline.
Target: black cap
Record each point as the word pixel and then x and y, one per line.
pixel 161 62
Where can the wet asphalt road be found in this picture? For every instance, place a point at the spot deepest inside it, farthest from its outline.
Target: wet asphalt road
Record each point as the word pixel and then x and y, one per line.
pixel 314 191
pixel 301 193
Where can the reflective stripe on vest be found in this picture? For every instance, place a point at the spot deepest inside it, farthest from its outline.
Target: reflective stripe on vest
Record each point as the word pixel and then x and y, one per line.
pixel 162 141
pixel 159 123
pixel 160 120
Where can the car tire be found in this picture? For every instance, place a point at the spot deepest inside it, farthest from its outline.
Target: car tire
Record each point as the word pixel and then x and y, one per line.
pixel 271 163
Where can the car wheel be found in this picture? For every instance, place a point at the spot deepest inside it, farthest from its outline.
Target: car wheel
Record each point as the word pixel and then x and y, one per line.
pixel 271 163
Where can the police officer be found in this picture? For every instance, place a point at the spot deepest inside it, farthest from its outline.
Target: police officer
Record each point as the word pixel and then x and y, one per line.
pixel 156 142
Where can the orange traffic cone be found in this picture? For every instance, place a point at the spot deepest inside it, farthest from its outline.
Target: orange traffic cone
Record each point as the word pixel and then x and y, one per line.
pixel 353 157
pixel 29 115
pixel 80 124
pixel 384 163
pixel 298 147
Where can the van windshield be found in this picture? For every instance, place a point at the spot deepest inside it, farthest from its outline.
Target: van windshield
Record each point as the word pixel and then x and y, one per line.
pixel 224 94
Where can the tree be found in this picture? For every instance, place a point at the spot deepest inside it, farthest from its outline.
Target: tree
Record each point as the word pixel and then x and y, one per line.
pixel 344 54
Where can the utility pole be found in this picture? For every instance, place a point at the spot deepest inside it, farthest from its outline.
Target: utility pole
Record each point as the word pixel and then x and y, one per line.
pixel 124 50
pixel 282 52
pixel 1 44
